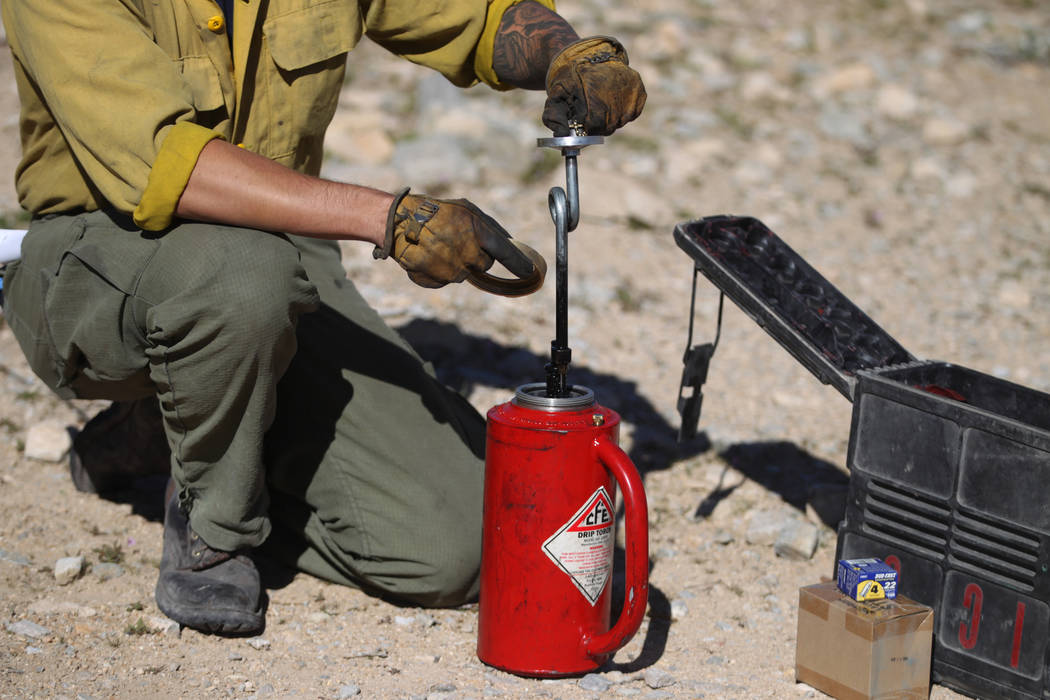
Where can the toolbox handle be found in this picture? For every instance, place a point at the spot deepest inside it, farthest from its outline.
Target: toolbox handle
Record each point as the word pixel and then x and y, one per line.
pixel 636 544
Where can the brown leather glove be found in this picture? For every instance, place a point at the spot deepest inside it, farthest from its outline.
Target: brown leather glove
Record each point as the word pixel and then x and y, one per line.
pixel 590 84
pixel 438 241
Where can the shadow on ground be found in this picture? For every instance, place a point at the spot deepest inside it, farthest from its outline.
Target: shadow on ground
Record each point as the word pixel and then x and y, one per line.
pixel 783 468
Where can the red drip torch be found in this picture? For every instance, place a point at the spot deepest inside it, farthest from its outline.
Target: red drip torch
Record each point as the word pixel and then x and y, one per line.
pixel 552 466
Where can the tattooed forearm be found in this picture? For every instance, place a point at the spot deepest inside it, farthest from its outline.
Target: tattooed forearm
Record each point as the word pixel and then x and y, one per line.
pixel 529 36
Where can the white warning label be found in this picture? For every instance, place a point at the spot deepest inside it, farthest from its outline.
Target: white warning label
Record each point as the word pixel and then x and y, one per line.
pixel 583 547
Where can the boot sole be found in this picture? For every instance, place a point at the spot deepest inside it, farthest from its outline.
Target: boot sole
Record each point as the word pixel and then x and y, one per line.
pixel 212 620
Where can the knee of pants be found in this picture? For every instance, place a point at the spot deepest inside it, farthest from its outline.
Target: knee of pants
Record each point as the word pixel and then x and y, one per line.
pixel 250 284
pixel 454 581
pixel 436 568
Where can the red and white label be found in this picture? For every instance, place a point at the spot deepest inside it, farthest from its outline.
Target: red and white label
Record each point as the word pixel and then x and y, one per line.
pixel 583 546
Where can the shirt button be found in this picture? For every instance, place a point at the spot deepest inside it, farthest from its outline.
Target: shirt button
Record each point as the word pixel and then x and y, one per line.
pixel 217 23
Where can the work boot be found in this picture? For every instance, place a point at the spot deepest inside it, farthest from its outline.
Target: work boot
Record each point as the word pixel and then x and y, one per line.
pixel 204 588
pixel 120 444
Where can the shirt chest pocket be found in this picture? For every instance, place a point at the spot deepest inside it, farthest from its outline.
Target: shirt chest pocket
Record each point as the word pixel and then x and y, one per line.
pixel 204 87
pixel 307 60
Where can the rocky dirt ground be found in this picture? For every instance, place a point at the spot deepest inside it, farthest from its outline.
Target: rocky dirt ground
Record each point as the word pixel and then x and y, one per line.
pixel 901 146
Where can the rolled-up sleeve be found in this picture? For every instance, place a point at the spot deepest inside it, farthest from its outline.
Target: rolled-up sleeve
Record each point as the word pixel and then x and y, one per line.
pixel 118 99
pixel 454 37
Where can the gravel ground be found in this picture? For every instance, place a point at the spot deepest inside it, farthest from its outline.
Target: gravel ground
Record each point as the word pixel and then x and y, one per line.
pixel 900 146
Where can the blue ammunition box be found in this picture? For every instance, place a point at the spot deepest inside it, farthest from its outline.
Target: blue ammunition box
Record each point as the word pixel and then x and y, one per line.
pixel 867 579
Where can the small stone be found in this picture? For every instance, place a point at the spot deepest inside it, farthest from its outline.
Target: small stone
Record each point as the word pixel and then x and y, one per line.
pixel 658 678
pixel 895 102
pixel 403 620
pixel 969 23
pixel 317 617
pixel 845 125
pixel 679 610
pixel 234 656
pixel 927 169
pixel 961 185
pixel 768 581
pixel 162 625
pixel 764 527
pixel 945 132
pixel 48 441
pixel 266 690
pixel 14 558
pixel 594 682
pixel 1014 295
pixel 852 77
pixel 347 691
pixel 724 626
pixel 106 571
pixel 723 537
pixel 259 643
pixel 663 553
pixel 797 541
pixel 441 688
pixel 750 172
pixel 763 87
pixel 715 660
pixel 25 628
pixel 917 8
pixel 787 399
pixel 425 620
pixel 68 569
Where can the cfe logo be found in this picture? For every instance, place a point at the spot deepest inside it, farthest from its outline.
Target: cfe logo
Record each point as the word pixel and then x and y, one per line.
pixel 597 514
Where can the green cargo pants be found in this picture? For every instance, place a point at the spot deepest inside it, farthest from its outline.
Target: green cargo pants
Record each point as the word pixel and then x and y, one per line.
pixel 296 417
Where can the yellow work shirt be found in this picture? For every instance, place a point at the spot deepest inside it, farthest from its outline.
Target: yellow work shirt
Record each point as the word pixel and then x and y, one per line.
pixel 119 96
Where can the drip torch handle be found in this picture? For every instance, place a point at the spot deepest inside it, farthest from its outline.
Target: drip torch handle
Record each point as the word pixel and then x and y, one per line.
pixel 513 287
pixel 636 592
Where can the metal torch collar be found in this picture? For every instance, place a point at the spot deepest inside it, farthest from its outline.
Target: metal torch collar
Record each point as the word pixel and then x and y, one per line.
pixel 535 396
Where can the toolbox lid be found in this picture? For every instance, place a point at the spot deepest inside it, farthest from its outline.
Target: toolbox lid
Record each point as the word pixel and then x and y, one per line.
pixel 804 312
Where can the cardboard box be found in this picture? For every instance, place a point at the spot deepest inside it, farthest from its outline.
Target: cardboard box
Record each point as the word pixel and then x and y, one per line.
pixel 863 650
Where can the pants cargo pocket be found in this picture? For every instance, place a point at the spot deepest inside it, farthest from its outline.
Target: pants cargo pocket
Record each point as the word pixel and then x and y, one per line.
pixel 79 316
pixel 25 285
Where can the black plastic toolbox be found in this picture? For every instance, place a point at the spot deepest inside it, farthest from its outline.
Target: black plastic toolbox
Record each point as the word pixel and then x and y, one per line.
pixel 949 467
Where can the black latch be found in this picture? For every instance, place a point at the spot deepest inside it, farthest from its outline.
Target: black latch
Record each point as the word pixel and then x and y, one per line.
pixel 696 361
pixel 694 374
